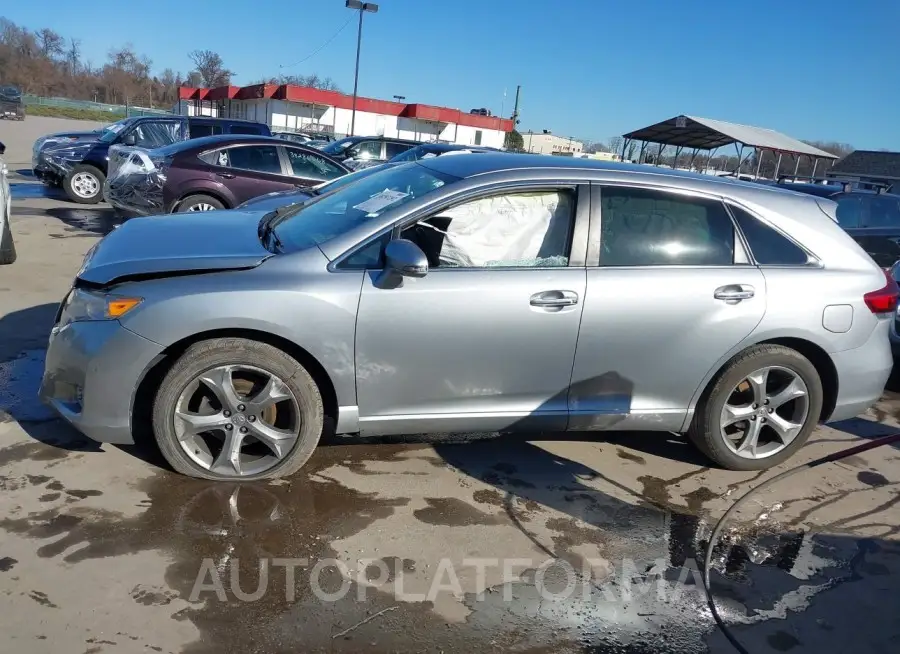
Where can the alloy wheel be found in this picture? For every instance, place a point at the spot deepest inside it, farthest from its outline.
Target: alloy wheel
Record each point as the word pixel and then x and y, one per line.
pixel 236 420
pixel 85 185
pixel 202 206
pixel 765 412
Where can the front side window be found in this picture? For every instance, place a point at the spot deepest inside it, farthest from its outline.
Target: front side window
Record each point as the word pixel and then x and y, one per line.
pixel 311 166
pixel 156 134
pixel 331 214
pixel 642 227
pixel 769 247
pixel 513 230
pixel 367 150
pixel 258 158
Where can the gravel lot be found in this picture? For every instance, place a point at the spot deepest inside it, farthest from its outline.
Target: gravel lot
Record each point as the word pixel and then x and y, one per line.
pixel 425 545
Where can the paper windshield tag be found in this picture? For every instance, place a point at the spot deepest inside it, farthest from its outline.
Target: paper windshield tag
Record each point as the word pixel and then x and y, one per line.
pixel 380 200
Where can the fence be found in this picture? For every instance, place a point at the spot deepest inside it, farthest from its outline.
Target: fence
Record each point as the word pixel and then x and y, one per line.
pixel 115 110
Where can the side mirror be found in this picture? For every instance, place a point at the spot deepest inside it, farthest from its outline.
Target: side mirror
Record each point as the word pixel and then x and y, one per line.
pixel 2 148
pixel 402 258
pixel 129 139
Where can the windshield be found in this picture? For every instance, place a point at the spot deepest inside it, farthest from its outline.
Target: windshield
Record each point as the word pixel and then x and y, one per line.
pixel 339 146
pixel 332 214
pixel 111 131
pixel 413 154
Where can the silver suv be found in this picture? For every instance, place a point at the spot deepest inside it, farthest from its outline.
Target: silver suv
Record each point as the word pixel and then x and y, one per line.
pixel 487 292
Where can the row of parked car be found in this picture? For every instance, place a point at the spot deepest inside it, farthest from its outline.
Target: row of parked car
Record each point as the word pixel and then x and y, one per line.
pixel 177 163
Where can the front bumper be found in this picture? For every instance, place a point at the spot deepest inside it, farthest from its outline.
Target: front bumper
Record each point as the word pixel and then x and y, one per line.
pixel 863 373
pixel 91 375
pixel 137 195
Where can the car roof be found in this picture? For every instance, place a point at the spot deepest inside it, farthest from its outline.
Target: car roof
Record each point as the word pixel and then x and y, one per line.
pixel 212 119
pixel 222 140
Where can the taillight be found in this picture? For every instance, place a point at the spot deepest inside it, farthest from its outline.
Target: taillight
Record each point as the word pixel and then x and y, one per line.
pixel 884 300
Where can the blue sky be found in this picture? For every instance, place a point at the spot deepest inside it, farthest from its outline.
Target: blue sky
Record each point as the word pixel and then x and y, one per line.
pixel 588 68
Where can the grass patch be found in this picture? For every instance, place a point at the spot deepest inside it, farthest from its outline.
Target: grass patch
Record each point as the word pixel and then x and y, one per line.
pixel 72 112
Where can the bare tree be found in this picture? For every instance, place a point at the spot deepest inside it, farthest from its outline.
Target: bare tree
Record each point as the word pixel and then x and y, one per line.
pixel 614 144
pixel 50 43
pixel 211 68
pixel 312 81
pixel 73 55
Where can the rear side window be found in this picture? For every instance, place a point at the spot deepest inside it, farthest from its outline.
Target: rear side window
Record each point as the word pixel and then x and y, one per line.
pixel 199 131
pixel 769 247
pixel 641 227
pixel 884 211
pixel 311 166
pixel 393 149
pixel 247 129
pixel 849 211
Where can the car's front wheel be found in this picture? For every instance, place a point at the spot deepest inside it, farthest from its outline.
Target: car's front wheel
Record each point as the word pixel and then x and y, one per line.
pixel 239 410
pixel 760 410
pixel 84 184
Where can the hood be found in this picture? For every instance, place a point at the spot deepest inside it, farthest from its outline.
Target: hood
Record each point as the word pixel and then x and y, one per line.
pixel 176 243
pixel 276 200
pixel 65 138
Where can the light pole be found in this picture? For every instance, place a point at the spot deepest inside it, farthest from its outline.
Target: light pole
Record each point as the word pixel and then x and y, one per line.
pixel 362 7
pixel 399 98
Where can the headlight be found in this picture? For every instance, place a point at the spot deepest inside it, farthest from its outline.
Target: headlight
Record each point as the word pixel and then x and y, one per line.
pixel 83 305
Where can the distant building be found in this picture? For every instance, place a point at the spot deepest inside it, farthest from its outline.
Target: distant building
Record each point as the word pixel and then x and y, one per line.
pixel 599 156
pixel 868 168
pixel 293 108
pixel 547 143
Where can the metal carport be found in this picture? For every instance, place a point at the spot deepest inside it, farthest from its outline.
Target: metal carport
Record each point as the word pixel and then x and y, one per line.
pixel 707 134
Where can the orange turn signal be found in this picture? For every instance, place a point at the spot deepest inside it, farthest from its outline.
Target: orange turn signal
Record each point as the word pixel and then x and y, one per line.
pixel 118 307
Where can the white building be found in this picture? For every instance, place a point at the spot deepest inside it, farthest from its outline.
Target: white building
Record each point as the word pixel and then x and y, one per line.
pixel 547 143
pixel 293 108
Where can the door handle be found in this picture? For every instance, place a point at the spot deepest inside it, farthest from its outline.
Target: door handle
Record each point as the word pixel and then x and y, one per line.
pixel 226 175
pixel 734 292
pixel 554 299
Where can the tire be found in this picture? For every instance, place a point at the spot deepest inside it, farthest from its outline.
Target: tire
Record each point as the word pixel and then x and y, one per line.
pixel 80 176
pixel 705 431
pixel 207 355
pixel 195 202
pixel 7 245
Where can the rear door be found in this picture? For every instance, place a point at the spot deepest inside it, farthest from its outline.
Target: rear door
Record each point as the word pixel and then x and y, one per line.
pixel 252 170
pixel 669 293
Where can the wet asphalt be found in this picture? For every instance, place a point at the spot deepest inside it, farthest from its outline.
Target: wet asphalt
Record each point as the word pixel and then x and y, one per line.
pixel 573 543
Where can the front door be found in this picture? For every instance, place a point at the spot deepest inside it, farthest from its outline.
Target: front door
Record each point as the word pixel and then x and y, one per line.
pixel 669 299
pixel 253 170
pixel 486 340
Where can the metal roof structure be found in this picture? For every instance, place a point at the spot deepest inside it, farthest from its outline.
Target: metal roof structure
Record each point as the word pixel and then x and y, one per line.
pixel 869 164
pixel 708 134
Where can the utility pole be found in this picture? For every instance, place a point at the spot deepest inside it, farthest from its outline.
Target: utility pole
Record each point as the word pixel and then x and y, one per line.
pixel 515 113
pixel 362 7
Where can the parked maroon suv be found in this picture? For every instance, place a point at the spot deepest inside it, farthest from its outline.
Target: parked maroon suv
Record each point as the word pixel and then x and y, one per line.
pixel 216 172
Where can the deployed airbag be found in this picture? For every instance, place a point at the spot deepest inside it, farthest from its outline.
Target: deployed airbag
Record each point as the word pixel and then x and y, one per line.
pixel 519 230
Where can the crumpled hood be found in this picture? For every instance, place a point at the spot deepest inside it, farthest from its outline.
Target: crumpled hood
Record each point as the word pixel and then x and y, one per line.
pixel 176 243
pixel 67 138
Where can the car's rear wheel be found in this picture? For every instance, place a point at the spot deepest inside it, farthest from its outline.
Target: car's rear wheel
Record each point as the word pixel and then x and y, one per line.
pixel 239 410
pixel 200 203
pixel 760 410
pixel 84 184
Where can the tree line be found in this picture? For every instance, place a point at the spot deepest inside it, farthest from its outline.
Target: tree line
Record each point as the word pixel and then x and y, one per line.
pixel 44 62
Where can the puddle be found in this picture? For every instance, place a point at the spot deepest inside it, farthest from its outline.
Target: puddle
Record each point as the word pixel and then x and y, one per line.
pixel 20 381
pixel 767 579
pixel 33 190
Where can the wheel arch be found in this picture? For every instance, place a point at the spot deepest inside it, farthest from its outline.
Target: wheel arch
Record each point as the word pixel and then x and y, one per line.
pixel 202 190
pixel 816 354
pixel 148 384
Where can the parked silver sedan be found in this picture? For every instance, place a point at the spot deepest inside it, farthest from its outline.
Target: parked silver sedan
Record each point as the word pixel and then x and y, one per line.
pixel 476 293
pixel 7 246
